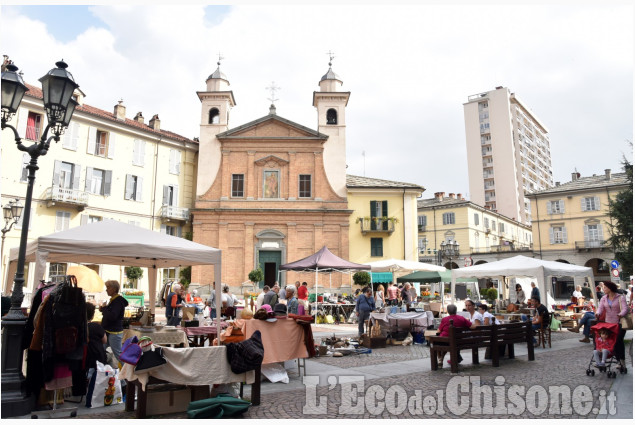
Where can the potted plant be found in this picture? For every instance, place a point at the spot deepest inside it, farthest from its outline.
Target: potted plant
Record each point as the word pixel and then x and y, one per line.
pixel 361 278
pixel 256 275
pixel 134 274
pixel 491 295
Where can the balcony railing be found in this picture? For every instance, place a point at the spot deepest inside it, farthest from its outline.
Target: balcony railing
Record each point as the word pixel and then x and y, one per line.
pixel 67 196
pixel 599 244
pixel 501 248
pixel 376 225
pixel 170 212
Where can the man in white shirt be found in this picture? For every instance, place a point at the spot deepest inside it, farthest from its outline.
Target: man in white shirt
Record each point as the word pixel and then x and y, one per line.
pixel 261 297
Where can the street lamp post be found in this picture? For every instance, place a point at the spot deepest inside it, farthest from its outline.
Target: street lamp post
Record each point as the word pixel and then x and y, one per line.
pixel 450 250
pixel 58 86
pixel 12 212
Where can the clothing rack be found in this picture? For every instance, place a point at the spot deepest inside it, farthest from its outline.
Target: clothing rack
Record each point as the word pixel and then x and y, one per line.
pixel 55 412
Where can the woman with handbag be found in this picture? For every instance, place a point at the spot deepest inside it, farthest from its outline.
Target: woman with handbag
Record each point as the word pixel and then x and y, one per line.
pixel 613 307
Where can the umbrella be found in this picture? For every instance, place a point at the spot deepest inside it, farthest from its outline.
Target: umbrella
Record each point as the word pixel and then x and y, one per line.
pixel 87 278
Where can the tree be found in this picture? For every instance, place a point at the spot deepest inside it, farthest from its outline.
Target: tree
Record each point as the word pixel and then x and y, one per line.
pixel 621 225
pixel 185 276
pixel 134 274
pixel 361 278
pixel 256 275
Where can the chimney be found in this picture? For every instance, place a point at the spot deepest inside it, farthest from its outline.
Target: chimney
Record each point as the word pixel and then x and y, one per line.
pixel 459 197
pixel 155 122
pixel 120 111
pixel 139 117
pixel 607 173
pixel 557 183
pixel 487 207
pixel 574 176
pixel 439 196
pixel 451 196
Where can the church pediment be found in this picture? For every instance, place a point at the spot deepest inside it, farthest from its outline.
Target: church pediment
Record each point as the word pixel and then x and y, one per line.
pixel 272 126
pixel 270 161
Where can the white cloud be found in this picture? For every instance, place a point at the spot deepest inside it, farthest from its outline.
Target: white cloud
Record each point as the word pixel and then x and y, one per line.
pixel 409 69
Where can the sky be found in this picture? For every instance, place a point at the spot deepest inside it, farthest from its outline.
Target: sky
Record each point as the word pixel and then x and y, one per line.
pixel 409 68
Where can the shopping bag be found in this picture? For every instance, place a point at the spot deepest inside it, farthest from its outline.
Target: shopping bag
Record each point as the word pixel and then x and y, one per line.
pixel 107 386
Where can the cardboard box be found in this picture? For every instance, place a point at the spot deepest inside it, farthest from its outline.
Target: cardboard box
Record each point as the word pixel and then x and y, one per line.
pixel 379 342
pixel 188 313
pixel 173 401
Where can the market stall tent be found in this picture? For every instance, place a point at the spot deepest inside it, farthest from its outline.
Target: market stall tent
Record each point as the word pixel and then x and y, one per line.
pixel 521 266
pixel 113 242
pixel 322 261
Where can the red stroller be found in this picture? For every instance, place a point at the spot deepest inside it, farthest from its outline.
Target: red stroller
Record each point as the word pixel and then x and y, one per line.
pixel 609 344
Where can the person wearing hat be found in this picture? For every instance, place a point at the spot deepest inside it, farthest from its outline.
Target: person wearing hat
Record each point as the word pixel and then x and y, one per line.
pixel 613 307
pixel 292 300
pixel 280 310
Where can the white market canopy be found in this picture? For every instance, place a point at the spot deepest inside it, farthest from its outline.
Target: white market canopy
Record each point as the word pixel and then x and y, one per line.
pixel 393 265
pixel 113 242
pixel 521 266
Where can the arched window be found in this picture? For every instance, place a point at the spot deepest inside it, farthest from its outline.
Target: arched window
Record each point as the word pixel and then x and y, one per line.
pixel 214 116
pixel 331 116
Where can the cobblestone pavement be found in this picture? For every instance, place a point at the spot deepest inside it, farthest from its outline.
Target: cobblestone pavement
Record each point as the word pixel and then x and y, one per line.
pixel 555 367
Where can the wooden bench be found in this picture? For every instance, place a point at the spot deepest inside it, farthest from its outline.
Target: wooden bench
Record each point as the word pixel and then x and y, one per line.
pixel 492 337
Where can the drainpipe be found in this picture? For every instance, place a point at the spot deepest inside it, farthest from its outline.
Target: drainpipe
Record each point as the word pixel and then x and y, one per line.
pixel 538 221
pixel 404 224
pixel 154 181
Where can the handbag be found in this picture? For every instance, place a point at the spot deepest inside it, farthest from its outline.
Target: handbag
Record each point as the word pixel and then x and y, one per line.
pixel 131 351
pixel 626 322
pixel 150 359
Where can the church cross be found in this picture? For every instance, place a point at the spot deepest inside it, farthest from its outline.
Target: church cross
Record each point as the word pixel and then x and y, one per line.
pixel 331 56
pixel 273 89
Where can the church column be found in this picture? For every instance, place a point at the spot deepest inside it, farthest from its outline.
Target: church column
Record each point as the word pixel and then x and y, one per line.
pixel 292 177
pixel 248 248
pixel 318 170
pixel 222 244
pixel 225 189
pixel 251 175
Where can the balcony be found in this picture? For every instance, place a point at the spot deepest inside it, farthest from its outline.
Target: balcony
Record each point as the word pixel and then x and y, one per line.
pixel 73 197
pixel 589 245
pixel 501 248
pixel 376 224
pixel 169 212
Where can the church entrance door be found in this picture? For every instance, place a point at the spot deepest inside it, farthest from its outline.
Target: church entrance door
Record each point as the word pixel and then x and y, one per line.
pixel 269 262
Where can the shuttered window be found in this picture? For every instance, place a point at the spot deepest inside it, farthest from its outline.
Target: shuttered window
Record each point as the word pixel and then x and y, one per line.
pixel 590 203
pixel 376 247
pixel 448 218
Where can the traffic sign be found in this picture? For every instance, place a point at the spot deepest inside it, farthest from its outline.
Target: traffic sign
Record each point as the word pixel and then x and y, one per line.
pixel 615 273
pixel 615 264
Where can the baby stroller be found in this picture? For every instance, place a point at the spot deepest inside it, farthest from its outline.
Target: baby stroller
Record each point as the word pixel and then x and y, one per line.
pixel 613 330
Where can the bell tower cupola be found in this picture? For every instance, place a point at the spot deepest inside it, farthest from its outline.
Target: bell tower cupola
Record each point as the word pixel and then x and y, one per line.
pixel 331 105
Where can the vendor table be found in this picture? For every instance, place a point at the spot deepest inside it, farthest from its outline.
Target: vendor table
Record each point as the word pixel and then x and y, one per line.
pixel 411 319
pixel 197 336
pixel 161 337
pixel 194 367
pixel 343 310
pixel 282 340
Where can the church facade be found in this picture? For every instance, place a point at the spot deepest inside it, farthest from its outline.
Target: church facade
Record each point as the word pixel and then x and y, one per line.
pixel 270 191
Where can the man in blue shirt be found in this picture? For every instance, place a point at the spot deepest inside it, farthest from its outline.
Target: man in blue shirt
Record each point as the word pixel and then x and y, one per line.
pixel 363 306
pixel 535 292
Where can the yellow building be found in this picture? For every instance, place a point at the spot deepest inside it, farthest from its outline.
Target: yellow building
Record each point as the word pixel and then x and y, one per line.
pixel 383 222
pixel 571 222
pixel 106 166
pixel 483 235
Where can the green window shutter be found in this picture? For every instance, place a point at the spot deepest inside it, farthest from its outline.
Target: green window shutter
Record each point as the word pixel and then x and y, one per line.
pixel 373 213
pixel 384 212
